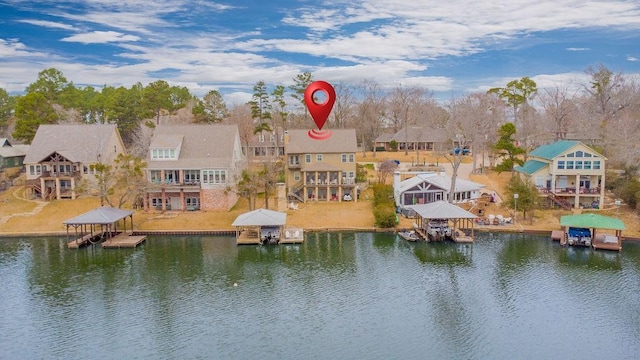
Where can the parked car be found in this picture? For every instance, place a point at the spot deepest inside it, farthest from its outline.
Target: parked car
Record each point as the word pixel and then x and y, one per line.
pixel 456 151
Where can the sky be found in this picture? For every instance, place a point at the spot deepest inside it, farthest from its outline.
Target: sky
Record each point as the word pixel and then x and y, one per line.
pixel 449 47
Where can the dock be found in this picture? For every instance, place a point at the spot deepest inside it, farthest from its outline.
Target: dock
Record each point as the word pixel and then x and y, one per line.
pixel 248 237
pixel 292 236
pixel 462 237
pixel 84 240
pixel 124 240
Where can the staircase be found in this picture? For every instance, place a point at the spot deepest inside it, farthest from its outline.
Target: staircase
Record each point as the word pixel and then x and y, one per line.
pixel 559 201
pixel 294 189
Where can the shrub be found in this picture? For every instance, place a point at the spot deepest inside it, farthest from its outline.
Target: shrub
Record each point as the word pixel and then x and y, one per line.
pixel 393 145
pixel 385 216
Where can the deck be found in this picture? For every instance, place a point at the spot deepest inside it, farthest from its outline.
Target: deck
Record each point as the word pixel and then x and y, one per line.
pixel 248 237
pixel 461 237
pixel 124 240
pixel 606 242
pixel 292 236
pixel 84 240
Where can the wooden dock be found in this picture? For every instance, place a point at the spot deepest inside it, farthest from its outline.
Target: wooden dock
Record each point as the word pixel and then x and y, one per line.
pixel 248 237
pixel 124 240
pixel 292 236
pixel 83 240
pixel 462 237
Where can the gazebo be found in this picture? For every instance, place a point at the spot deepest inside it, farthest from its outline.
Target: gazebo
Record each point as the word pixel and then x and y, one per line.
pixel 595 222
pixel 86 225
pixel 450 213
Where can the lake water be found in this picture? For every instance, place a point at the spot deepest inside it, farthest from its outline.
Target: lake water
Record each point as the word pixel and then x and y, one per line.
pixel 337 296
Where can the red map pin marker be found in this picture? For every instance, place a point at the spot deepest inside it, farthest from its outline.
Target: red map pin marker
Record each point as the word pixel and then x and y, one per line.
pixel 319 110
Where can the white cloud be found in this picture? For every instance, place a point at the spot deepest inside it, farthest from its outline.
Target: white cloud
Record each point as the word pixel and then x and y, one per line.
pixel 100 37
pixel 48 24
pixel 577 49
pixel 632 58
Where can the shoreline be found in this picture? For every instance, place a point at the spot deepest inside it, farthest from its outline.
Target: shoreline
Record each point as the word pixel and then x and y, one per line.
pixel 230 232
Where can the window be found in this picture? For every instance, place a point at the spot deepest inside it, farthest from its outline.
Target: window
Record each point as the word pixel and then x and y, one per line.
pixel 260 137
pixel 561 165
pixel 159 154
pixel 319 157
pixel 570 155
pixel 596 165
pixel 587 165
pixel 579 154
pixel 351 158
pixel 214 176
pixel 191 176
pixel 344 158
pixel 154 176
pixel 569 165
pixel 307 158
pixel 578 165
pixel 296 176
pixel 272 138
pixel 587 155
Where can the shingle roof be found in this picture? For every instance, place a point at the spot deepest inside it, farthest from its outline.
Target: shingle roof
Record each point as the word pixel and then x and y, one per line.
pixel 81 143
pixel 441 181
pixel 342 141
pixel 7 150
pixel 202 145
pixel 592 221
pixel 550 151
pixel 441 210
pixel 103 215
pixel 415 134
pixel 261 217
pixel 531 166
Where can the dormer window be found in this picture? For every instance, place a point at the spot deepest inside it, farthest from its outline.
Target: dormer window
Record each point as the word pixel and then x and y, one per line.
pixel 163 154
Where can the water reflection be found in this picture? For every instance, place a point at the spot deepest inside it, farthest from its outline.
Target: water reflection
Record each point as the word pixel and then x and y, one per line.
pixel 337 295
pixel 447 254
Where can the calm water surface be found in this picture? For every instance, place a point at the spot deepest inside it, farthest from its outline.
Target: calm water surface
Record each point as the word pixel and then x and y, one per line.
pixel 337 296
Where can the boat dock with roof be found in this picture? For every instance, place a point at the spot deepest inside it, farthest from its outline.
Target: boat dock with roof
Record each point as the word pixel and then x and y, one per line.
pixel 265 227
pixel 101 225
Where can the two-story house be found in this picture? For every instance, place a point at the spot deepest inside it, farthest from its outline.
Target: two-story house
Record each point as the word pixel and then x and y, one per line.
pixel 321 170
pixel 60 156
pixel 569 173
pixel 194 167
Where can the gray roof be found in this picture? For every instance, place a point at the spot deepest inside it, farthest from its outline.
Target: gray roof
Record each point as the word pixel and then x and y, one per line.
pixel 261 217
pixel 441 181
pixel 416 134
pixel 78 143
pixel 341 141
pixel 103 215
pixel 441 210
pixel 7 150
pixel 202 146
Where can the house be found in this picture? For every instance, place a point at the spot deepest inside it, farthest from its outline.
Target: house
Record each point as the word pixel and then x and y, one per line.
pixel 412 138
pixel 60 156
pixel 265 146
pixel 568 173
pixel 321 170
pixel 425 188
pixel 11 156
pixel 194 167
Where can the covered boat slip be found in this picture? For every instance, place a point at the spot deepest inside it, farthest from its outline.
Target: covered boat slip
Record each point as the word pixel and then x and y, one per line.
pixel 590 230
pixel 265 227
pixel 99 225
pixel 440 220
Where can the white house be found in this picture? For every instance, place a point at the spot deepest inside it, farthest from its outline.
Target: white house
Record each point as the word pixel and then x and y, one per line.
pixel 424 188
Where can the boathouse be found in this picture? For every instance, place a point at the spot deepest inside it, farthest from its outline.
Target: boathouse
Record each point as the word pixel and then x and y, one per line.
pixel 101 225
pixel 264 226
pixel 598 226
pixel 460 221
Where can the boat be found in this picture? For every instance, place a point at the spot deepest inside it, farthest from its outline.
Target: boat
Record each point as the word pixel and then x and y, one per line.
pixel 579 236
pixel 438 230
pixel 409 235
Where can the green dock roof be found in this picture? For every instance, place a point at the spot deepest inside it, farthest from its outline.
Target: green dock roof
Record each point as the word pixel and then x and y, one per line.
pixel 592 221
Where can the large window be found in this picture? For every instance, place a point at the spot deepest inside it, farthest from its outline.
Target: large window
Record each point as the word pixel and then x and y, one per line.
pixel 214 176
pixel 163 154
pixel 561 165
pixel 307 158
pixel 192 176
pixel 596 165
pixel 344 158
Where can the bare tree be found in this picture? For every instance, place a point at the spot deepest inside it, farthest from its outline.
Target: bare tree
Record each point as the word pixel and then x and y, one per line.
pixel 343 107
pixel 241 115
pixel 560 109
pixel 370 113
pixel 403 109
pixel 385 170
